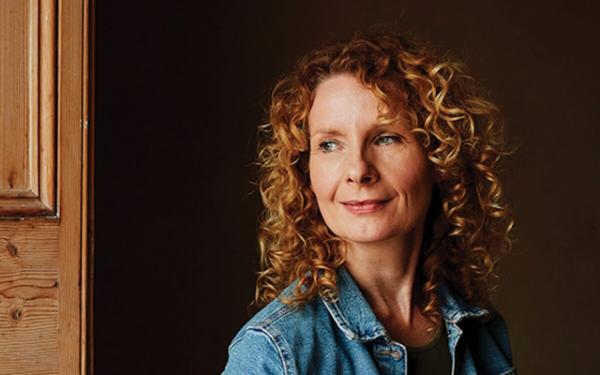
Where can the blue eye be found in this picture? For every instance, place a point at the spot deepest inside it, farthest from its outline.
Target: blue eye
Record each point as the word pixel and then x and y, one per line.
pixel 328 146
pixel 387 139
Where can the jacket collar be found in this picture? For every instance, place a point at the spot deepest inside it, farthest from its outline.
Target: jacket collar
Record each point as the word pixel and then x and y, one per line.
pixel 454 309
pixel 354 316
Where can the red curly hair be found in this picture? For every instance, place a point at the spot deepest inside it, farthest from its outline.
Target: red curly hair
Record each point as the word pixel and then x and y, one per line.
pixel 467 225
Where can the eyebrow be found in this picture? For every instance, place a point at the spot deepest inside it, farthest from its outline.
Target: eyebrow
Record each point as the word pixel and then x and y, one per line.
pixel 333 131
pixel 327 132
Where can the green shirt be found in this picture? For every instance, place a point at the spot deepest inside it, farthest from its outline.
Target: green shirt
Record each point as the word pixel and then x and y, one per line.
pixel 432 358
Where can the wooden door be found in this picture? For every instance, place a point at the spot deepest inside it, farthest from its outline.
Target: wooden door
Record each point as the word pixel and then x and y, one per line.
pixel 43 186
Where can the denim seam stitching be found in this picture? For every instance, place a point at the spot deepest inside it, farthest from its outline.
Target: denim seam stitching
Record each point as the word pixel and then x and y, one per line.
pixel 234 342
pixel 277 314
pixel 279 350
pixel 340 320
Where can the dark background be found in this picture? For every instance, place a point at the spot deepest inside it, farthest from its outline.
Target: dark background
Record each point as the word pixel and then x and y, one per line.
pixel 180 89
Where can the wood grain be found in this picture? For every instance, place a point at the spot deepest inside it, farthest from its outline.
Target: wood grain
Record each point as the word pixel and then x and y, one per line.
pixel 28 296
pixel 47 117
pixel 27 107
pixel 71 121
pixel 18 76
pixel 43 185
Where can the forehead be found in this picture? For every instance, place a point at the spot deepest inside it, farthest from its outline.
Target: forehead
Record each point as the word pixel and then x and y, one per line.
pixel 342 99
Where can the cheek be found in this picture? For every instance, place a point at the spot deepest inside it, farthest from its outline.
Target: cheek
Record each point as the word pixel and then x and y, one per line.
pixel 420 182
pixel 416 178
pixel 322 180
pixel 413 176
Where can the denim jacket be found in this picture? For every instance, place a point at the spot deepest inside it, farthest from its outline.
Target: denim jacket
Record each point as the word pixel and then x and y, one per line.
pixel 345 337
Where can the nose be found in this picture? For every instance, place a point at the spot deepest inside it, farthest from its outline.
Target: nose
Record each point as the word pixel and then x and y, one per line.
pixel 360 169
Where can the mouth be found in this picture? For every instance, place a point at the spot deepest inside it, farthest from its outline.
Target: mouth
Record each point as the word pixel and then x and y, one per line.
pixel 365 206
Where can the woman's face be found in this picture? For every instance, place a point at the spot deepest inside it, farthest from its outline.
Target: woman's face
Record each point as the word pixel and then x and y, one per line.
pixel 372 182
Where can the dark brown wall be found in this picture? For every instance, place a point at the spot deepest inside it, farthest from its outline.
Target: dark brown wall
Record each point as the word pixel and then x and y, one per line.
pixel 180 89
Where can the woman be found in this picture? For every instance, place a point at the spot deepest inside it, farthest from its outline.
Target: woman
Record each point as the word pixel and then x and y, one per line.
pixel 383 219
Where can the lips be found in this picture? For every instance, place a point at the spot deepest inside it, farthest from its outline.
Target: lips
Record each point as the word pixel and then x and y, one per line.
pixel 365 206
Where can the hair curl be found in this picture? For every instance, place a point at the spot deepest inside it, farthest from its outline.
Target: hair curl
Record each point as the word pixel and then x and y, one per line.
pixel 468 224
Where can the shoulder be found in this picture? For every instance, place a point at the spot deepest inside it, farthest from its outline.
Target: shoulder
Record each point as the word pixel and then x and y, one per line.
pixel 484 327
pixel 254 352
pixel 269 341
pixel 489 337
pixel 483 330
pixel 499 331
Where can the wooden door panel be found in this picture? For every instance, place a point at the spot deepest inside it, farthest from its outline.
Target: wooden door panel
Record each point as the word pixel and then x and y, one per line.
pixel 28 296
pixel 27 107
pixel 43 186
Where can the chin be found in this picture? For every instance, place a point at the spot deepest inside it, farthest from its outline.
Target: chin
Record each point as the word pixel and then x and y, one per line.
pixel 367 236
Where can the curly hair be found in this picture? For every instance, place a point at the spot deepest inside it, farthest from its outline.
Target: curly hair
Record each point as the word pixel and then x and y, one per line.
pixel 467 225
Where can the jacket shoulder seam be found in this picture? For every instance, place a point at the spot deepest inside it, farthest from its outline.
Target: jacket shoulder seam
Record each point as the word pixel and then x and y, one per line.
pixel 273 317
pixel 277 347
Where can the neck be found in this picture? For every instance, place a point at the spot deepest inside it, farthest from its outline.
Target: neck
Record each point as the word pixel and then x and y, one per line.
pixel 385 272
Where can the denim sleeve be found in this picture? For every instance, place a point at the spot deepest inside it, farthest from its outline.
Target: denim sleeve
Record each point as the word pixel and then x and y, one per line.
pixel 254 353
